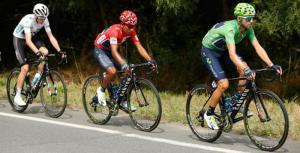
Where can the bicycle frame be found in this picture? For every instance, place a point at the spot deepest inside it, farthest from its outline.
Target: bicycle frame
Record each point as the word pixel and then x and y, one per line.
pixel 34 90
pixel 130 79
pixel 249 91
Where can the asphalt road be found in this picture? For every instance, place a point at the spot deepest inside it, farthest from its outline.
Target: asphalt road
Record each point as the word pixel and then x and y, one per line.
pixel 34 132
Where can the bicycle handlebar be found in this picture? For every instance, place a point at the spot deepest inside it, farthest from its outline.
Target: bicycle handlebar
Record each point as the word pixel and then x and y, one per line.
pixel 133 66
pixel 38 61
pixel 259 71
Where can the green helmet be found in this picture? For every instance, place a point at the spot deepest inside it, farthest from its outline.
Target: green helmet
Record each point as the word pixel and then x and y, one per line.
pixel 244 9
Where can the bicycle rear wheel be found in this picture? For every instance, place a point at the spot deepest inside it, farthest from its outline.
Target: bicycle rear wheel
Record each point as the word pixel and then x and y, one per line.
pixel 195 110
pixel 145 98
pixel 97 113
pixel 268 129
pixel 11 87
pixel 53 94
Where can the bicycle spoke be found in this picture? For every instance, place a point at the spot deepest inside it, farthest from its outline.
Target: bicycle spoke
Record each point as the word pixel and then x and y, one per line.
pixel 97 113
pixel 145 98
pixel 195 109
pixel 54 94
pixel 269 128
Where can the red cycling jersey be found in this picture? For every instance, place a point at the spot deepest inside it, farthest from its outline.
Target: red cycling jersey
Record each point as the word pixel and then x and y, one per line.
pixel 114 36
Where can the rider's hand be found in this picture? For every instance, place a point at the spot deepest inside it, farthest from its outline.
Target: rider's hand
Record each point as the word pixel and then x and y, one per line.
pixel 63 56
pixel 277 68
pixel 250 74
pixel 153 64
pixel 125 67
pixel 39 55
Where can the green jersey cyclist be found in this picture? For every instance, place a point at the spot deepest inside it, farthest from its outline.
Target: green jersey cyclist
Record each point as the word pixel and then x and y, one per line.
pixel 219 52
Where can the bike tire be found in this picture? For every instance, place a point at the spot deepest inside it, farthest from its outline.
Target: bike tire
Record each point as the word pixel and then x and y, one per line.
pixel 260 131
pixel 11 84
pixel 195 110
pixel 145 98
pixel 53 93
pixel 97 114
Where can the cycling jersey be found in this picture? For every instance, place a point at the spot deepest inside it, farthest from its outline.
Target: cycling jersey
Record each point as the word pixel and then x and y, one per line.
pixel 28 24
pixel 226 33
pixel 114 36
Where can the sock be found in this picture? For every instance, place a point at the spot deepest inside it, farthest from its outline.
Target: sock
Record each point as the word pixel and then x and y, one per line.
pixel 102 89
pixel 210 111
pixel 18 92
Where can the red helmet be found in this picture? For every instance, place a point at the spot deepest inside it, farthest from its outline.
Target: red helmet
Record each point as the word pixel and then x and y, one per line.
pixel 128 17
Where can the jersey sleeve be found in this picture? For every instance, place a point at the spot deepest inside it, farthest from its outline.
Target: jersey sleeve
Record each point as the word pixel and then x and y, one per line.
pixel 134 37
pixel 26 26
pixel 113 37
pixel 229 36
pixel 251 34
pixel 47 26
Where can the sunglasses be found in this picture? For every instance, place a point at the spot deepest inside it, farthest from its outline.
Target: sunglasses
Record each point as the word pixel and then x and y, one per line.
pixel 130 26
pixel 248 18
pixel 39 18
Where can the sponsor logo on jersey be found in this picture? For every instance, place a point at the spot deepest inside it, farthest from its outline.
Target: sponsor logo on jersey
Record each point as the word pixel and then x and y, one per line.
pixel 113 41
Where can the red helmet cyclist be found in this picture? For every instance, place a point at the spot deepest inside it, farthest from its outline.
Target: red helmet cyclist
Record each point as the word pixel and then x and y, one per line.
pixel 129 18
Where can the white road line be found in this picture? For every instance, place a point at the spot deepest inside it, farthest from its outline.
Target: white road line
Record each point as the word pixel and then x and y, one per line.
pixel 154 139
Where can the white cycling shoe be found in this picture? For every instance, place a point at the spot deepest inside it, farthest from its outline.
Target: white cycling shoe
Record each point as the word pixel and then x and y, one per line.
pixel 101 97
pixel 19 101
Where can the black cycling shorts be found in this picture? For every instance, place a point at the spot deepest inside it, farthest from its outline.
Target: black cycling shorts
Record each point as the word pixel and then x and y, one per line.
pixel 105 59
pixel 217 62
pixel 21 49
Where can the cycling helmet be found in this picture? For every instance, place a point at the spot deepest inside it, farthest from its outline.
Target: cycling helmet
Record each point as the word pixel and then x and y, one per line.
pixel 41 10
pixel 244 9
pixel 128 17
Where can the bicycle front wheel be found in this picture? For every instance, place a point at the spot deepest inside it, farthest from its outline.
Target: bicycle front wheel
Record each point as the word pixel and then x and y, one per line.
pixel 11 87
pixel 97 113
pixel 144 97
pixel 53 94
pixel 195 109
pixel 268 127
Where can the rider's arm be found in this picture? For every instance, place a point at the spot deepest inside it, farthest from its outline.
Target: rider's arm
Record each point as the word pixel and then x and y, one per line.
pixel 30 43
pixel 142 51
pixel 234 57
pixel 261 52
pixel 53 41
pixel 116 55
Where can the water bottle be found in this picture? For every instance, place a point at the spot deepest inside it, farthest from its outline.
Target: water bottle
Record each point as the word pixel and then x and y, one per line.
pixel 114 89
pixel 235 100
pixel 35 79
pixel 228 104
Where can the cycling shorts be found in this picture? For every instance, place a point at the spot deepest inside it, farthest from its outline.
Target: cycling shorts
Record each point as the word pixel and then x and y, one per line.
pixel 105 59
pixel 21 49
pixel 217 62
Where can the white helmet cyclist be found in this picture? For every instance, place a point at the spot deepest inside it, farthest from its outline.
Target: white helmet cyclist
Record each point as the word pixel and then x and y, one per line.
pixel 41 10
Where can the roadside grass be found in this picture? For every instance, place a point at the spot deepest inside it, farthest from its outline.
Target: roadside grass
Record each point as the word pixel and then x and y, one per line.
pixel 173 106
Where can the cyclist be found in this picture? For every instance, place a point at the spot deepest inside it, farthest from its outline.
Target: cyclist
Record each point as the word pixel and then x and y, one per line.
pixel 106 50
pixel 219 51
pixel 24 40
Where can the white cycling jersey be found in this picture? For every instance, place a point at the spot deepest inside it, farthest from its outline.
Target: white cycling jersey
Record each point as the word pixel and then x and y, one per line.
pixel 28 24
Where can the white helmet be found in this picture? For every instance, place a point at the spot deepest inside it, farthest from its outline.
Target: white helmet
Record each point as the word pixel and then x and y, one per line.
pixel 41 10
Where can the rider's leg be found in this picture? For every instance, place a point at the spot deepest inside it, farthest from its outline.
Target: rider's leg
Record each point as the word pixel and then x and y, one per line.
pixel 240 87
pixel 24 70
pixel 44 51
pixel 20 45
pixel 211 59
pixel 110 75
pixel 221 88
pixel 105 62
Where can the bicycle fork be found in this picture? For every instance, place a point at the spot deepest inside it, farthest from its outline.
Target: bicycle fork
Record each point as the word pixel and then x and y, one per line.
pixel 259 114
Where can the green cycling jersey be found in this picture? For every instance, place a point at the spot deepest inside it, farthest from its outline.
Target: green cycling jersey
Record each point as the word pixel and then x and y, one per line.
pixel 223 33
